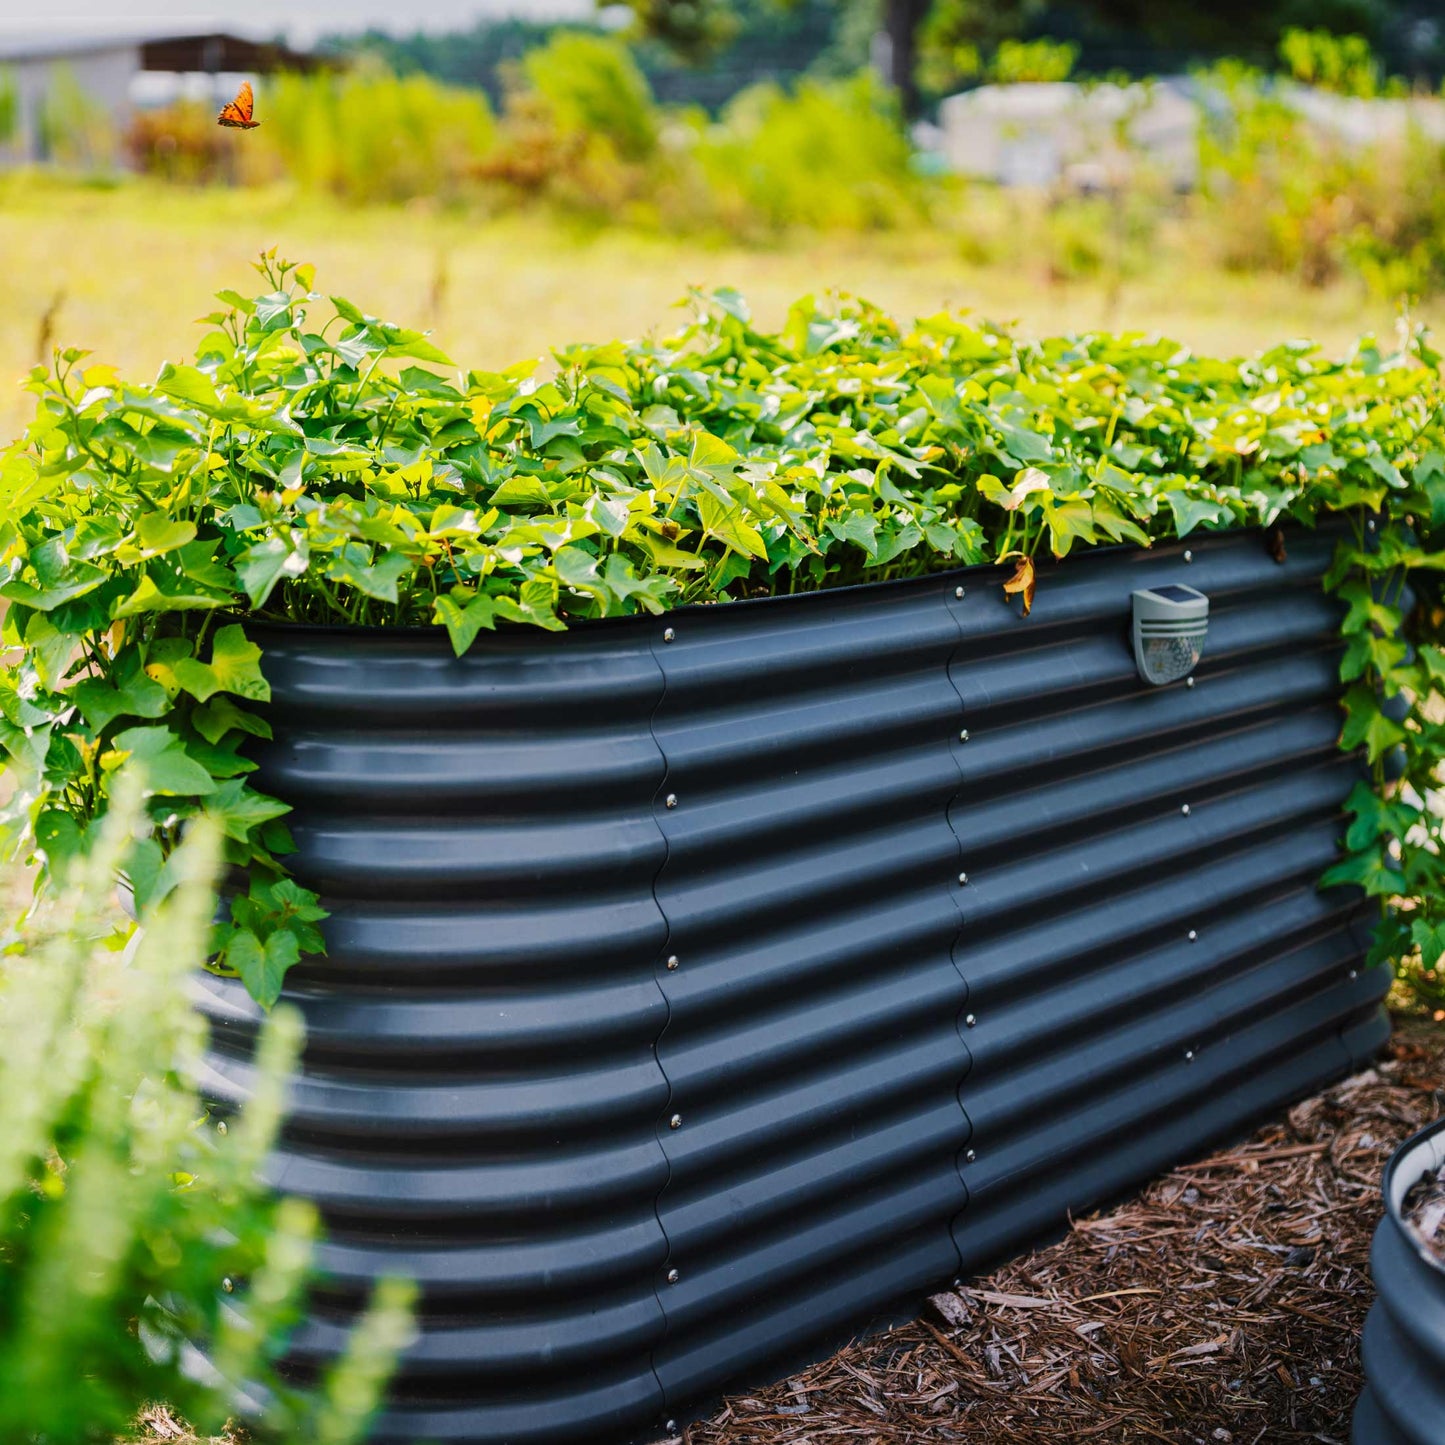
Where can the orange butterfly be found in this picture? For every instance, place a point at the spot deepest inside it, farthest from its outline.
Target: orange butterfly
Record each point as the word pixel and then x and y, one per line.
pixel 238 112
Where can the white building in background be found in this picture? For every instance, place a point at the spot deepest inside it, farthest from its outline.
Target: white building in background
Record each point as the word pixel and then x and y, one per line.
pixel 1061 131
pixel 1095 136
pixel 115 73
pixel 1360 123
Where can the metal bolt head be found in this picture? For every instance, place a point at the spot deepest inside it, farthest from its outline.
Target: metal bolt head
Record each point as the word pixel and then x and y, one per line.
pixel 670 1426
pixel 675 1122
pixel 963 735
pixel 1188 1056
pixel 668 635
pixel 670 800
pixel 1185 810
pixel 969 1021
pixel 1188 555
pixel 673 1276
pixel 229 1285
pixel 1354 974
pixel 970 1156
pixel 963 877
pixel 672 962
pixel 221 1127
pixel 1370 525
pixel 1193 936
pixel 1189 682
pixel 958 592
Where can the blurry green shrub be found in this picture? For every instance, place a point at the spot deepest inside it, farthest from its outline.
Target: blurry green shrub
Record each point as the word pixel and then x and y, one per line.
pixel 123 1219
pixel 75 131
pixel 831 155
pixel 367 135
pixel 580 130
pixel 1018 62
pixel 592 87
pixel 180 143
pixel 1279 194
pixel 1343 64
pixel 9 108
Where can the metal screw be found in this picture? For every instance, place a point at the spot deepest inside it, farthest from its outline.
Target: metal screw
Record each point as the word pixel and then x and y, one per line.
pixel 673 1276
pixel 963 877
pixel 221 1127
pixel 1193 936
pixel 963 735
pixel 1370 525
pixel 958 592
pixel 675 1122
pixel 1188 682
pixel 672 961
pixel 1188 1056
pixel 1184 809
pixel 1354 973
pixel 668 635
pixel 670 1426
pixel 1188 555
pixel 969 1020
pixel 228 1284
pixel 670 800
pixel 970 1156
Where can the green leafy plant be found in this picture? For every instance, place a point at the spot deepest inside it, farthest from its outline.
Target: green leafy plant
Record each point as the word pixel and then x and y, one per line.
pixel 310 470
pixel 131 1234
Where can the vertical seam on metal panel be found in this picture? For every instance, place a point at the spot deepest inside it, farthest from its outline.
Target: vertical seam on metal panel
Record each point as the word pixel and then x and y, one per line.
pixel 666 1019
pixel 658 963
pixel 955 896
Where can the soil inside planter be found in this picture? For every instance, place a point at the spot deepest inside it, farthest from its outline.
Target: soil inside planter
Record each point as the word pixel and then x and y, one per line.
pixel 1424 1212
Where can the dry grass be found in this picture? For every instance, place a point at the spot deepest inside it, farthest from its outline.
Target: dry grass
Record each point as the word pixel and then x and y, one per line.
pixel 1222 1304
pixel 124 271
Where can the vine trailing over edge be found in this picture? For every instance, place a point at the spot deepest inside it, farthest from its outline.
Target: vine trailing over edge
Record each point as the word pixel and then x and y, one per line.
pixel 316 472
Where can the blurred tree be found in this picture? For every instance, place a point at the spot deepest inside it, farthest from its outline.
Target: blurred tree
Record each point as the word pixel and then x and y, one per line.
pixel 909 29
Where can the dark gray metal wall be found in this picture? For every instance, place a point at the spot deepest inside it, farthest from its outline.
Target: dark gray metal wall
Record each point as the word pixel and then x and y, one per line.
pixel 660 1036
pixel 1404 1345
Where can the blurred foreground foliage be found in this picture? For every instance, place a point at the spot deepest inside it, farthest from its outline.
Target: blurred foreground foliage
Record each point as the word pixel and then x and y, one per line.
pixel 140 1258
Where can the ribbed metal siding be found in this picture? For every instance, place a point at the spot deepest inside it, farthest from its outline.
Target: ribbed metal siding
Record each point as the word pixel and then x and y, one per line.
pixel 1148 957
pixel 812 1046
pixel 1404 1345
pixel 480 1098
pixel 659 1035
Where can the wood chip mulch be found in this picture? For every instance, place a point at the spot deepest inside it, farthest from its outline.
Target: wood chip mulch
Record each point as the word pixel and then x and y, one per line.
pixel 1222 1304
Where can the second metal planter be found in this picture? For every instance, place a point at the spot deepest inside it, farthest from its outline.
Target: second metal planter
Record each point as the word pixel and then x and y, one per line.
pixel 1404 1345
pixel 701 985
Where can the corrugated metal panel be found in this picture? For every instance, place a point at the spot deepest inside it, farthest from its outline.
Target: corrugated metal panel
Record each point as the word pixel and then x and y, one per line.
pixel 1148 958
pixel 660 1036
pixel 812 1047
pixel 480 1099
pixel 1404 1345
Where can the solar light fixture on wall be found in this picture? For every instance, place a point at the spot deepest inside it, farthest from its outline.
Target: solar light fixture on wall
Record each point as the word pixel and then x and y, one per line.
pixel 1169 627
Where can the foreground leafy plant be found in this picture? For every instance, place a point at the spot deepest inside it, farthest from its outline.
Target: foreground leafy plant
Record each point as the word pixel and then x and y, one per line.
pixel 120 1215
pixel 310 472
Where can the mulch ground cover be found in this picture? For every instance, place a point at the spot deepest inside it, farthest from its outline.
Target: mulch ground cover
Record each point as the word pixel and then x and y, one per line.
pixel 1222 1304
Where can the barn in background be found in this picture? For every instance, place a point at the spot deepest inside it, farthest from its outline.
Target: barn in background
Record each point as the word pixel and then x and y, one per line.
pixel 66 95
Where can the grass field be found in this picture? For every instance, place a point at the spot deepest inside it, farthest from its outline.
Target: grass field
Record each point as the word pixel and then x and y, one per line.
pixel 124 270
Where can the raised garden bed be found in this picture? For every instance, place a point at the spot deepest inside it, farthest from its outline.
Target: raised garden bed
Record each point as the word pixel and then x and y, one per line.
pixel 661 1035
pixel 704 978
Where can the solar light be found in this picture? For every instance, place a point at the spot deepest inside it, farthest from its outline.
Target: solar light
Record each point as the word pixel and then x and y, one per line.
pixel 1169 627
